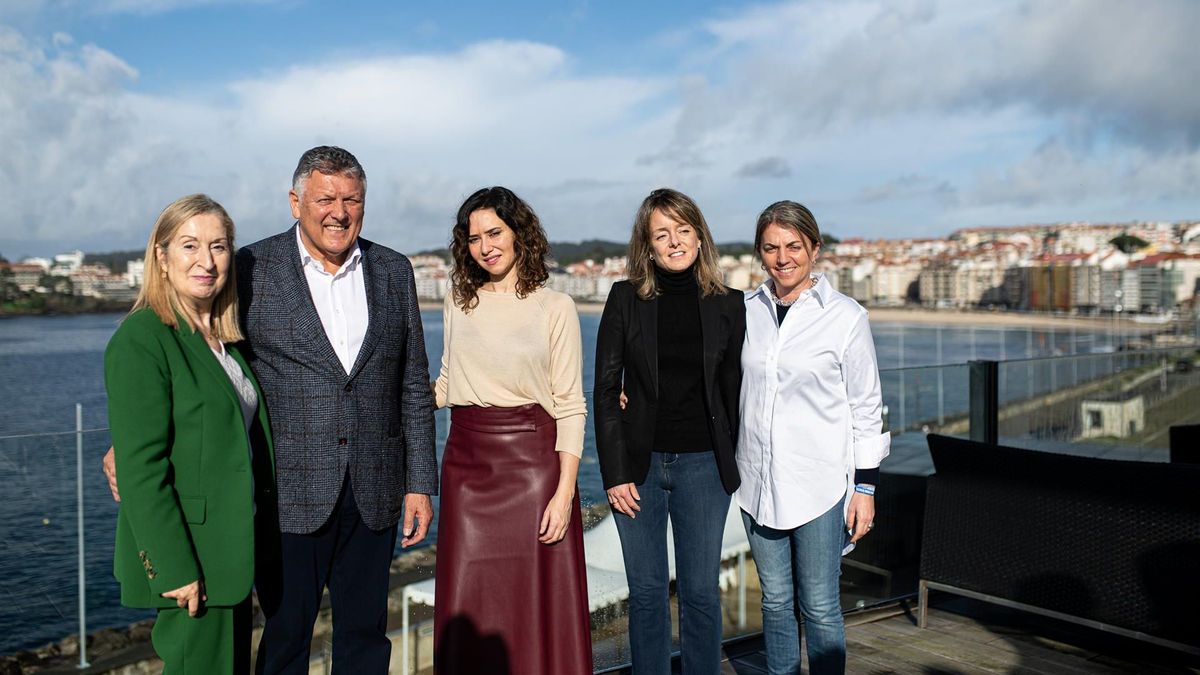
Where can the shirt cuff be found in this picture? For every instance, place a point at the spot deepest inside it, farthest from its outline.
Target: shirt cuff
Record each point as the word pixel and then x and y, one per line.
pixel 869 452
pixel 570 434
pixel 868 476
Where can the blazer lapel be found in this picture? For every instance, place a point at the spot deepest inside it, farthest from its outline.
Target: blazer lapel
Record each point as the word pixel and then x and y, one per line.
pixel 289 274
pixel 648 318
pixel 201 352
pixel 377 304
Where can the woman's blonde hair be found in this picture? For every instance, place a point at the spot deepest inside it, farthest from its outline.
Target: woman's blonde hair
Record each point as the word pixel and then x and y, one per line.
pixel 157 292
pixel 680 208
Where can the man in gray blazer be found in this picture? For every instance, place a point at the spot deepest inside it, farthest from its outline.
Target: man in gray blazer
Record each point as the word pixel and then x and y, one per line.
pixel 336 342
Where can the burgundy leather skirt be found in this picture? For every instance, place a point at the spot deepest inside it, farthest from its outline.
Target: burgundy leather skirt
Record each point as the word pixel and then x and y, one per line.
pixel 506 603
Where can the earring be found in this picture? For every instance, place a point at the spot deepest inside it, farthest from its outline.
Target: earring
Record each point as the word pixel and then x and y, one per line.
pixel 163 273
pixel 763 265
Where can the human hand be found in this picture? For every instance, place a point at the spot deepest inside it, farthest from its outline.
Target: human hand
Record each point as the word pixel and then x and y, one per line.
pixel 556 517
pixel 861 516
pixel 418 508
pixel 190 596
pixel 624 498
pixel 110 472
pixel 624 400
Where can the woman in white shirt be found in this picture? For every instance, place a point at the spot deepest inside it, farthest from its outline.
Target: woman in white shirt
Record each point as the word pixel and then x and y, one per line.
pixel 810 442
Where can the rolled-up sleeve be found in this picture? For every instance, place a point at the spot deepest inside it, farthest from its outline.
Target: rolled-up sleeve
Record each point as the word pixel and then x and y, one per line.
pixel 860 371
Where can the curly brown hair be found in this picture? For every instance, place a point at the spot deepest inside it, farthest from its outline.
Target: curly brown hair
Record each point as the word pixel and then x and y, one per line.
pixel 531 245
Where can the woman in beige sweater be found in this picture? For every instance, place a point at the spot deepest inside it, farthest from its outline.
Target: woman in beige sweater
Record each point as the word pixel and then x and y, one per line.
pixel 511 582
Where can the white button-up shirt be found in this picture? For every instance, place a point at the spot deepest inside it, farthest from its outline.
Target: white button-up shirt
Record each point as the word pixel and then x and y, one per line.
pixel 811 407
pixel 341 301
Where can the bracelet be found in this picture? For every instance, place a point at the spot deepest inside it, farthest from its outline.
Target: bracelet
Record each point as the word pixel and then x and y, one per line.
pixel 863 488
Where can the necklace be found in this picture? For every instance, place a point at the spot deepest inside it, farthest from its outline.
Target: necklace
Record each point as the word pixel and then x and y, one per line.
pixel 812 281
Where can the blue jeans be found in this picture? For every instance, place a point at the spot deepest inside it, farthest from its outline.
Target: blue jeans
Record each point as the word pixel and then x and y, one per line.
pixel 687 487
pixel 800 569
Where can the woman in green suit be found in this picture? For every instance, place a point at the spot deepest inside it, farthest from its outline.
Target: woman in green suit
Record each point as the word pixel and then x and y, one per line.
pixel 192 445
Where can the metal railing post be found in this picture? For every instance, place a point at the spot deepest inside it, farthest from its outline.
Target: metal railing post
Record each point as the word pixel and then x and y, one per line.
pixel 1029 365
pixel 984 409
pixel 741 589
pixel 83 662
pixel 903 421
pixel 941 380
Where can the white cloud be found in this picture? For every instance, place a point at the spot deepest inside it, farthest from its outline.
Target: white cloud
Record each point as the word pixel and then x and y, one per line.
pixel 98 160
pixel 981 100
pixel 887 117
pixel 1129 66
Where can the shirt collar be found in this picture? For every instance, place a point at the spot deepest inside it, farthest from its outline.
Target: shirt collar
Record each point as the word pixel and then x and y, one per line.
pixel 823 290
pixel 306 258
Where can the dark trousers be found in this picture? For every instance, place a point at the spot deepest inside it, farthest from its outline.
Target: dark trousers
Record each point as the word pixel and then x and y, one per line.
pixel 354 561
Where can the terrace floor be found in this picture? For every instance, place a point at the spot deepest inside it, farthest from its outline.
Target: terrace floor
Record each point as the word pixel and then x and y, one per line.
pixel 970 637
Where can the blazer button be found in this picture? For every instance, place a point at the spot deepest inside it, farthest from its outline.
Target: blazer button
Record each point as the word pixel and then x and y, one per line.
pixel 341 441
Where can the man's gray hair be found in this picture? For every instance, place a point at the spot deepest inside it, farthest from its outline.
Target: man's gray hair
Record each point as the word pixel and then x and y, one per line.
pixel 327 159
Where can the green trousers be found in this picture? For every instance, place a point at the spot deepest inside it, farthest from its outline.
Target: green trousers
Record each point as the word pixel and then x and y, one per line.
pixel 216 641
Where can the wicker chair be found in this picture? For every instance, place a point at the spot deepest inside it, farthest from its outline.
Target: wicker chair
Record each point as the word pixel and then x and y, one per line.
pixel 1114 545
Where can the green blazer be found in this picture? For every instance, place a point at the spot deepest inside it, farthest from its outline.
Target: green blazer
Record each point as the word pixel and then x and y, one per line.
pixel 184 466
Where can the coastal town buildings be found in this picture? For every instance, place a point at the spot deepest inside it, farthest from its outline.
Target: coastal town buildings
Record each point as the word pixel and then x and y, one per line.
pixel 1065 267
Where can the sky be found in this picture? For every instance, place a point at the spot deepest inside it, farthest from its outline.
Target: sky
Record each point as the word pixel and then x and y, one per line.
pixel 888 118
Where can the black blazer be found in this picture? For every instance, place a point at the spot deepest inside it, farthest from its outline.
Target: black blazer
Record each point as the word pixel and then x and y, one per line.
pixel 627 355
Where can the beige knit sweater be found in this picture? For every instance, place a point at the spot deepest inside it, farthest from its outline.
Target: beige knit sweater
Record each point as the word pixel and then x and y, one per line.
pixel 508 352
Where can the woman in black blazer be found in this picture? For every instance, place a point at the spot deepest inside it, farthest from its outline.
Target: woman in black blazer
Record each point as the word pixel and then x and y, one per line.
pixel 671 337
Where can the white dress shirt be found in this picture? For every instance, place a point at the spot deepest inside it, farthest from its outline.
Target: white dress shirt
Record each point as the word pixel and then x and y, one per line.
pixel 811 408
pixel 341 301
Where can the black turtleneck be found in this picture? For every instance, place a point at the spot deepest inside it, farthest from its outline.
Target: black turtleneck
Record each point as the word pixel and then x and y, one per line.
pixel 682 416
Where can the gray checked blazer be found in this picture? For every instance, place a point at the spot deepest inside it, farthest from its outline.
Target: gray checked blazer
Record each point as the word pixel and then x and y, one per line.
pixel 375 423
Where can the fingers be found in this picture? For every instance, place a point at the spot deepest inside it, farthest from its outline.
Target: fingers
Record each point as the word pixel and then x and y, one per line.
pixel 418 536
pixel 418 515
pixel 861 517
pixel 109 466
pixel 413 531
pixel 624 499
pixel 624 400
pixel 616 503
pixel 554 524
pixel 191 597
pixel 620 506
pixel 407 528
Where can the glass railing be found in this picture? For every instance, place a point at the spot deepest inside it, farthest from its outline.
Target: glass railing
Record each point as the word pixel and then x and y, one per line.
pixel 39 536
pixel 1113 405
pixel 1119 405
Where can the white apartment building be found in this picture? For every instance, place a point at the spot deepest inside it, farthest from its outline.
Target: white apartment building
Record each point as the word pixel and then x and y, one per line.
pixel 66 263
pixel 135 273
pixel 892 281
